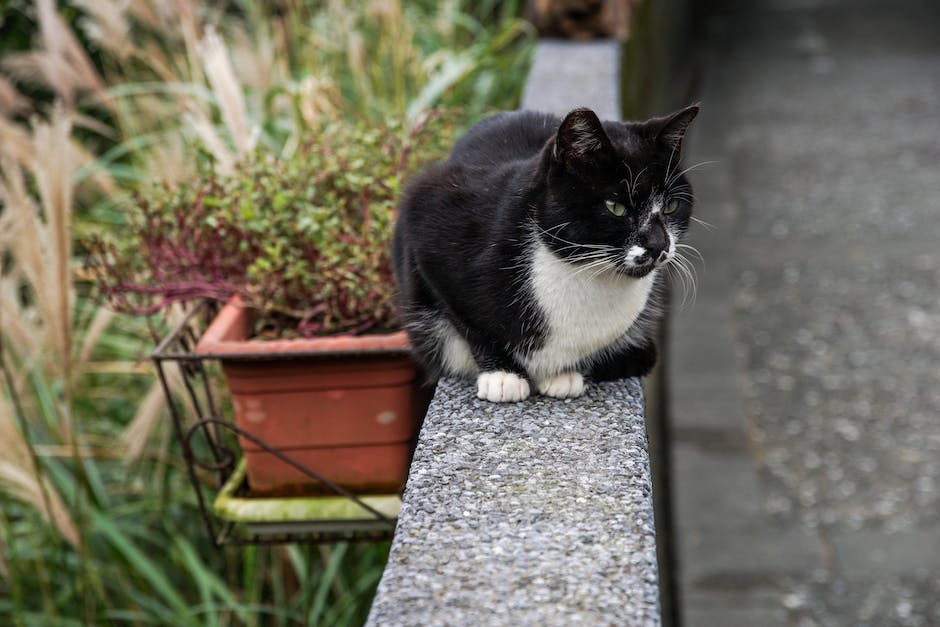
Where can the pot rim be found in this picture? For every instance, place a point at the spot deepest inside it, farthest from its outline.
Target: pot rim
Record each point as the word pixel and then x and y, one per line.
pixel 225 338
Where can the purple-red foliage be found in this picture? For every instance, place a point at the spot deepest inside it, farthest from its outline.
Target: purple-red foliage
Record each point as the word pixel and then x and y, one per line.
pixel 305 239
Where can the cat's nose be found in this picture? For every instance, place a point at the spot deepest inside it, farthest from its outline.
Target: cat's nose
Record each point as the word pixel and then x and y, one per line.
pixel 655 241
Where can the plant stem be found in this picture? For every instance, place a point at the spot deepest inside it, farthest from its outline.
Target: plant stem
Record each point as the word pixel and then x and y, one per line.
pixel 16 591
pixel 34 460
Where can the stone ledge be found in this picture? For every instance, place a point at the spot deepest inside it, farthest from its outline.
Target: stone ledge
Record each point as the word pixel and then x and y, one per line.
pixel 525 513
pixel 566 75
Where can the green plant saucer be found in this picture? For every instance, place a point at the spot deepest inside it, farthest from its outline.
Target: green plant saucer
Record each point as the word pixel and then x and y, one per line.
pixel 276 516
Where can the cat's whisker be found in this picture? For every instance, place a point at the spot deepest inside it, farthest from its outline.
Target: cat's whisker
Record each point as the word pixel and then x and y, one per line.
pixel 685 272
pixel 672 153
pixel 595 270
pixel 556 227
pixel 609 266
pixel 683 304
pixel 692 249
pixel 683 265
pixel 538 230
pixel 682 259
pixel 687 268
pixel 681 194
pixel 632 179
pixel 521 265
pixel 588 246
pixel 595 251
pixel 546 232
pixel 600 252
pixel 589 260
pixel 599 265
pixel 675 177
pixel 635 180
pixel 678 277
pixel 707 225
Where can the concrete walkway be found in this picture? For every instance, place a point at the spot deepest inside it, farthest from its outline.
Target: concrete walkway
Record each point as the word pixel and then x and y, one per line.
pixel 805 380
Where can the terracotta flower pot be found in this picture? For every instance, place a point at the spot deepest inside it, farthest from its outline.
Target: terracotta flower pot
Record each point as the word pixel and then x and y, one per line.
pixel 345 407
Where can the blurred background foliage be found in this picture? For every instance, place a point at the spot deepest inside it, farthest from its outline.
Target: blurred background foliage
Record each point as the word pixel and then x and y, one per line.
pixel 97 98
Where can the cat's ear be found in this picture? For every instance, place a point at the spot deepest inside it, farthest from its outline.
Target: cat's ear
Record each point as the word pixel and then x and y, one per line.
pixel 580 140
pixel 670 130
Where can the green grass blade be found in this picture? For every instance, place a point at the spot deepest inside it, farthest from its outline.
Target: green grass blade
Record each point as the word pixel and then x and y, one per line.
pixel 124 617
pixel 345 611
pixel 143 565
pixel 301 572
pixel 278 591
pixel 197 574
pixel 326 581
pixel 251 577
pixel 95 484
pixel 451 73
pixel 108 159
pixel 207 580
pixel 41 620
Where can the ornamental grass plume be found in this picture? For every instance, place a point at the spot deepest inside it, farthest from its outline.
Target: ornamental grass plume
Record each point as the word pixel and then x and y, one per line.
pixel 35 235
pixel 36 304
pixel 58 59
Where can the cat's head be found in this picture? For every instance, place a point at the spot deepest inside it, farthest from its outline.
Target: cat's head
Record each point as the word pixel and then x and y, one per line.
pixel 615 195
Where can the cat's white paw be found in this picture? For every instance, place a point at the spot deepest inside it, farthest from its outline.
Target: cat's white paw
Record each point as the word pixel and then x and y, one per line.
pixel 564 385
pixel 499 386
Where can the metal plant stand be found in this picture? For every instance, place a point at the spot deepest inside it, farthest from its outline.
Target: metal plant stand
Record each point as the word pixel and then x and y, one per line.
pixel 210 450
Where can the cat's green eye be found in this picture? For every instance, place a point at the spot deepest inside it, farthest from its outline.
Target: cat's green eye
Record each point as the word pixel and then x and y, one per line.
pixel 671 206
pixel 616 208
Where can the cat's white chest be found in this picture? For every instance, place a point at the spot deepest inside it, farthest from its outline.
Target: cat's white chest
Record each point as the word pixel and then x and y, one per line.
pixel 584 313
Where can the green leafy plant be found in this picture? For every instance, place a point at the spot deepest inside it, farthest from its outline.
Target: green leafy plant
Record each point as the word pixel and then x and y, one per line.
pixel 306 238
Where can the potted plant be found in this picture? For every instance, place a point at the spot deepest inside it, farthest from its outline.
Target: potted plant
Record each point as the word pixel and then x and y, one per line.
pixel 298 250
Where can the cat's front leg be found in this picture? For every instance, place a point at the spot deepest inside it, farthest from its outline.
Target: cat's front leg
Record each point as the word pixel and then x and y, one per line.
pixel 564 385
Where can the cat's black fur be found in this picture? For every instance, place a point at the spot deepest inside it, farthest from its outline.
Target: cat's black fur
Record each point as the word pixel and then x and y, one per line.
pixel 468 229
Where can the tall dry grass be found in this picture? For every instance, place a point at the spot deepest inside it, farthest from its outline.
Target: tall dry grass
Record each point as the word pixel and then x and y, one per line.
pixel 38 294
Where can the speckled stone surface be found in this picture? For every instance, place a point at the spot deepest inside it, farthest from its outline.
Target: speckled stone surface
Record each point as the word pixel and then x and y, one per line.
pixel 527 513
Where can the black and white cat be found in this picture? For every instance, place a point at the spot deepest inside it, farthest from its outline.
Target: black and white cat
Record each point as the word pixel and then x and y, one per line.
pixel 534 253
